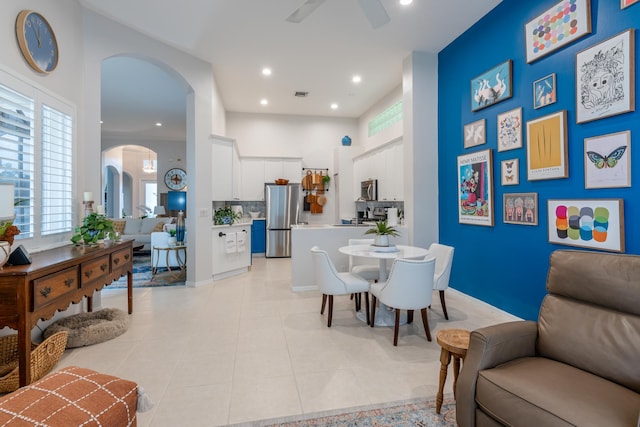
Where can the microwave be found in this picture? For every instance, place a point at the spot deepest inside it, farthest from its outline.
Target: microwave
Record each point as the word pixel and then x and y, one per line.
pixel 369 190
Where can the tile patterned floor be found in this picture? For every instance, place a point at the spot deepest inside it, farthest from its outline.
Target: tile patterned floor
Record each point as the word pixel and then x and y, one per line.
pixel 247 348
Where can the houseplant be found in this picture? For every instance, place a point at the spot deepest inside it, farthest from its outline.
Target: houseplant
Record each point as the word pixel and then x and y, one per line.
pixel 94 227
pixel 382 232
pixel 225 216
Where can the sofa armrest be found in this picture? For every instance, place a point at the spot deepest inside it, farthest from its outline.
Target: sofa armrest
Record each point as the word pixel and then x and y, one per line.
pixel 490 347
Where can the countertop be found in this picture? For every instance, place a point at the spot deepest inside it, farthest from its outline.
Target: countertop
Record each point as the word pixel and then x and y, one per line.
pixel 244 223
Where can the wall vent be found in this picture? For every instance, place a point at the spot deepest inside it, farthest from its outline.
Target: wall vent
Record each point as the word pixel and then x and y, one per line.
pixel 300 94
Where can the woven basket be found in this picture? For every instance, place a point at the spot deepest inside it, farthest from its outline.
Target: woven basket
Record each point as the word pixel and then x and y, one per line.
pixel 44 357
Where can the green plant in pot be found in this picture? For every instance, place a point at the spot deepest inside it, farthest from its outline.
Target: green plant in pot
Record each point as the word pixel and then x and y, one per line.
pixel 382 231
pixel 94 227
pixel 326 179
pixel 225 216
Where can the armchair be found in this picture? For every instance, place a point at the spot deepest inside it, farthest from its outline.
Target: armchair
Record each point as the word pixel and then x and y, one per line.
pixel 576 366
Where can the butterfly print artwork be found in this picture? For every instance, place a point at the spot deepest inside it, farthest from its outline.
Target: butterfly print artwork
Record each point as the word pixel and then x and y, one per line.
pixel 606 161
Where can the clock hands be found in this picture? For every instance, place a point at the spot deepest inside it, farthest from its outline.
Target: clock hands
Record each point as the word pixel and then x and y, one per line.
pixel 176 179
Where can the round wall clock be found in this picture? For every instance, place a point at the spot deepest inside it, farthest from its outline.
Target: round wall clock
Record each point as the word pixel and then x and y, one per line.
pixel 175 179
pixel 37 41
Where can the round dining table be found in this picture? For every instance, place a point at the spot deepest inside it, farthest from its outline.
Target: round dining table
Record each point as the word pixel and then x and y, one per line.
pixel 385 315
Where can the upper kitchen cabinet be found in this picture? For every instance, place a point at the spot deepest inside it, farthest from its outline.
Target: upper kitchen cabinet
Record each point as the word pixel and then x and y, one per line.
pixel 277 168
pixel 223 168
pixel 385 164
pixel 252 185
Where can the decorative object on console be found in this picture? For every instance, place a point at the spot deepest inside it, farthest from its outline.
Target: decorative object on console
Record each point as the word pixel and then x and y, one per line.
pixel 382 231
pixel 597 96
pixel 492 86
pixel 547 147
pixel 87 201
pixel 475 188
pixel 94 227
pixel 177 200
pixel 5 250
pixel 37 41
pixel 567 24
pixel 7 214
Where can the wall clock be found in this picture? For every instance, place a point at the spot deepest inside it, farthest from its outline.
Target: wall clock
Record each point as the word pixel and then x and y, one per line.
pixel 175 179
pixel 37 41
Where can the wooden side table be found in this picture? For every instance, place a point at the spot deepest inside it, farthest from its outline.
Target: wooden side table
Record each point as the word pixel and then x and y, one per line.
pixel 454 343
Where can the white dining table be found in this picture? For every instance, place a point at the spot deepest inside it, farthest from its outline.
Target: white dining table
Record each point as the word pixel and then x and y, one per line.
pixel 385 315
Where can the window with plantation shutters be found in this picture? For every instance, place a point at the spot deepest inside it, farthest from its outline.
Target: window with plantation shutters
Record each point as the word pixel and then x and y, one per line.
pixel 36 155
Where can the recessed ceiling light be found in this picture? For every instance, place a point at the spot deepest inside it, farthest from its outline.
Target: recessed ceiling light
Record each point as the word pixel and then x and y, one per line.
pixel 266 71
pixel 334 106
pixel 406 2
pixel 356 79
pixel 101 122
pixel 264 102
pixel 158 124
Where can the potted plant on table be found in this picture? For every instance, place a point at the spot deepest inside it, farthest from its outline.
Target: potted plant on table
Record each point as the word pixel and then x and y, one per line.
pixel 382 231
pixel 94 227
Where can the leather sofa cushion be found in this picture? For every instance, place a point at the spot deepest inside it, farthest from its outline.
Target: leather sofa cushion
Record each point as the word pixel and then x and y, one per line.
pixel 535 391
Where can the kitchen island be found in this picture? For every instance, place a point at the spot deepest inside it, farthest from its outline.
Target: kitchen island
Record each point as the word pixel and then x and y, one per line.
pixel 231 249
pixel 328 238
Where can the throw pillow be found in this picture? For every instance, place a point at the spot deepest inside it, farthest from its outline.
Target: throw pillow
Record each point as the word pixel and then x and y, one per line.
pixel 159 226
pixel 118 225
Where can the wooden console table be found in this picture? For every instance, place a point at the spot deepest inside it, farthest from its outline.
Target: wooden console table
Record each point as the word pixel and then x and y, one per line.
pixel 55 279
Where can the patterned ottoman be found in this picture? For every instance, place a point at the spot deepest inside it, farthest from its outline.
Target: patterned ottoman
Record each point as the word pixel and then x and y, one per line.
pixel 72 397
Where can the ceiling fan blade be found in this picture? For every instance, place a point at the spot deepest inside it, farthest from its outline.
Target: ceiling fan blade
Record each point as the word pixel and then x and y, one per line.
pixel 375 12
pixel 305 10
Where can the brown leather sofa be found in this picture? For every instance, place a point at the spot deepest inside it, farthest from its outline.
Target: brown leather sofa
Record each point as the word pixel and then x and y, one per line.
pixel 579 365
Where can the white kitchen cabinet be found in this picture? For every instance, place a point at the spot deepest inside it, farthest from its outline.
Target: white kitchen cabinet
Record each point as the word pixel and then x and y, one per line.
pixel 391 181
pixel 277 168
pixel 253 179
pixel 237 175
pixel 228 256
pixel 222 164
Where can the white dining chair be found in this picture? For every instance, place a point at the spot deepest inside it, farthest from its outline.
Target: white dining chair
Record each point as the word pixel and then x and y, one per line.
pixel 444 261
pixel 331 282
pixel 367 268
pixel 409 287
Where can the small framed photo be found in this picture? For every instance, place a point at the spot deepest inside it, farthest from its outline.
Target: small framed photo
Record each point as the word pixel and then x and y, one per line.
pixel 605 78
pixel 520 208
pixel 607 160
pixel 627 3
pixel 588 223
pixel 492 86
pixel 475 188
pixel 510 172
pixel 547 147
pixel 510 130
pixel 475 133
pixel 544 91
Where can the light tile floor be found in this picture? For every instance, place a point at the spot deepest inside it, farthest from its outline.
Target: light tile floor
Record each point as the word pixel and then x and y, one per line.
pixel 247 348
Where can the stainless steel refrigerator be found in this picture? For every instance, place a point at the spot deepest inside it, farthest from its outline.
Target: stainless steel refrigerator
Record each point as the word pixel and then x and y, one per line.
pixel 283 208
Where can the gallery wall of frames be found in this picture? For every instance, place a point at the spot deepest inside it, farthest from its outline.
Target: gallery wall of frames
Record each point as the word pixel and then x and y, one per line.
pixel 544 153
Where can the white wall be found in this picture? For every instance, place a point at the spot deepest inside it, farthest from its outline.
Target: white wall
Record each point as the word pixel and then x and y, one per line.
pixel 391 133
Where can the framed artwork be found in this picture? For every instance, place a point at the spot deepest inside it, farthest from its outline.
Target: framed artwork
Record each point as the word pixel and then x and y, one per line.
pixel 607 160
pixel 627 3
pixel 510 172
pixel 475 188
pixel 544 91
pixel 589 223
pixel 492 86
pixel 510 130
pixel 547 147
pixel 475 133
pixel 604 78
pixel 520 208
pixel 558 26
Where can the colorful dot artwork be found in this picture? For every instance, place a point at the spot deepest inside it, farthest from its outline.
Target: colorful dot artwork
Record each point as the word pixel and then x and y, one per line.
pixel 582 223
pixel 556 26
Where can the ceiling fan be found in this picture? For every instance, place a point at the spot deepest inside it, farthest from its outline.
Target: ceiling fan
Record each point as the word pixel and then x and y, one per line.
pixel 373 10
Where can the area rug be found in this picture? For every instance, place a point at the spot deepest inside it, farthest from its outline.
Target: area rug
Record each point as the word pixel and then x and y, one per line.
pixel 416 412
pixel 142 276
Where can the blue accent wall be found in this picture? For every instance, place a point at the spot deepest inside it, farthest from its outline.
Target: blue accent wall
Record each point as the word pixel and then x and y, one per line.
pixel 506 265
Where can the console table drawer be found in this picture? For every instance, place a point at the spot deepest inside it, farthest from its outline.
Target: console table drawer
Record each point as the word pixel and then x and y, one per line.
pixel 48 288
pixel 120 258
pixel 96 269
